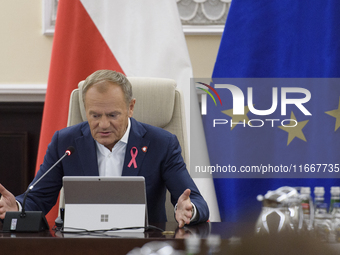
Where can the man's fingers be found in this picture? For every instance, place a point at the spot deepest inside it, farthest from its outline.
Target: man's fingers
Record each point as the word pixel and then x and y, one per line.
pixel 182 223
pixel 188 207
pixel 3 190
pixel 188 214
pixel 186 194
pixel 184 219
pixel 183 212
pixel 2 211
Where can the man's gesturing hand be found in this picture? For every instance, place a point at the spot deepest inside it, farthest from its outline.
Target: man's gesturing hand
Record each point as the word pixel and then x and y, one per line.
pixel 7 202
pixel 184 209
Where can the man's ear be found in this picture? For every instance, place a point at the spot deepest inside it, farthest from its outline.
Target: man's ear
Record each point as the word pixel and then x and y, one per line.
pixel 131 107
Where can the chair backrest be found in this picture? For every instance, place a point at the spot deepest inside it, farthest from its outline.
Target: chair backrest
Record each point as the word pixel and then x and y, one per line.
pixel 158 103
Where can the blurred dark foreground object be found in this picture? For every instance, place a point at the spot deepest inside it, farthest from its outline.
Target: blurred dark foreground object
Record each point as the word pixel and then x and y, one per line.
pixel 284 244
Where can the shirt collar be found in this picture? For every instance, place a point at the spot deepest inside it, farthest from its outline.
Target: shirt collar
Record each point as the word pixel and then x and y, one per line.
pixel 105 151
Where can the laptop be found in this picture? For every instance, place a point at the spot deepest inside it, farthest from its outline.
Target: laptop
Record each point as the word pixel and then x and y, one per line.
pixel 100 203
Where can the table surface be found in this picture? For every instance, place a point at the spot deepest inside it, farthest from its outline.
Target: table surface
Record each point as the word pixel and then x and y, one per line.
pixel 55 242
pixel 236 238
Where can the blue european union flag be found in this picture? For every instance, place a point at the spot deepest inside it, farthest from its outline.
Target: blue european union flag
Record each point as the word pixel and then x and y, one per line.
pixel 284 45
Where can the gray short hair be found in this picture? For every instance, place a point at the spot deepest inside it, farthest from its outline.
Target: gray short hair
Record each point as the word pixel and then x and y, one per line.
pixel 110 76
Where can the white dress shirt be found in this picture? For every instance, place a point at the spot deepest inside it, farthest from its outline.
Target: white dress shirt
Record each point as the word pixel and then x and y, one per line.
pixel 110 163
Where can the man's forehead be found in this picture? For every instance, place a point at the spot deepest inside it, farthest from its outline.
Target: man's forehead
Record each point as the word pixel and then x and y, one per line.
pixel 103 86
pixel 104 93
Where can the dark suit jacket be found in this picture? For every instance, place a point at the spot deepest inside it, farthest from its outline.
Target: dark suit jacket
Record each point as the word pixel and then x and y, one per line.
pixel 162 166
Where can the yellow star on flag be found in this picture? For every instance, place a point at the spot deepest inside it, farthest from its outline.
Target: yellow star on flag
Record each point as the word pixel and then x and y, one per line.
pixel 237 118
pixel 294 131
pixel 336 114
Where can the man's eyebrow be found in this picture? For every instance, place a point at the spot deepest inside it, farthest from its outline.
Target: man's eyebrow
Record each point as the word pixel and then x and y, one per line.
pixel 109 113
pixel 114 112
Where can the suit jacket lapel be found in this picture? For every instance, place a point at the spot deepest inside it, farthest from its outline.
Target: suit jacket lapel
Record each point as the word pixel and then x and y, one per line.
pixel 135 149
pixel 87 152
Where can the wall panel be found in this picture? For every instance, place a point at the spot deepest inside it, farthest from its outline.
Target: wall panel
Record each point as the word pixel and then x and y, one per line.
pixel 19 140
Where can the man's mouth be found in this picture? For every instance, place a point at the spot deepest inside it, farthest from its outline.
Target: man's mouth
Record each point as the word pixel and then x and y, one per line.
pixel 105 133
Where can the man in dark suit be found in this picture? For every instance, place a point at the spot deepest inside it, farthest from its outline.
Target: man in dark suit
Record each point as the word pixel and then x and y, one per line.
pixel 112 143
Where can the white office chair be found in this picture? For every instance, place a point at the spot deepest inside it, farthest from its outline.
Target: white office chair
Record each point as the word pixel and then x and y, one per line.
pixel 158 103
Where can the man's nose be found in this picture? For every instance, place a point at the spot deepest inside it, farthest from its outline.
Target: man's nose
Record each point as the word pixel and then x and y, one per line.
pixel 104 122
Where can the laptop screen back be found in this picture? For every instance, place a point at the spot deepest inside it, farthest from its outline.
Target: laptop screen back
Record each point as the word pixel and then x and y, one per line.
pixel 95 203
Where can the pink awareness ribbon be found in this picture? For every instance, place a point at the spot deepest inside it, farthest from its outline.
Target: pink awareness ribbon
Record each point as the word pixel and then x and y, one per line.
pixel 133 159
